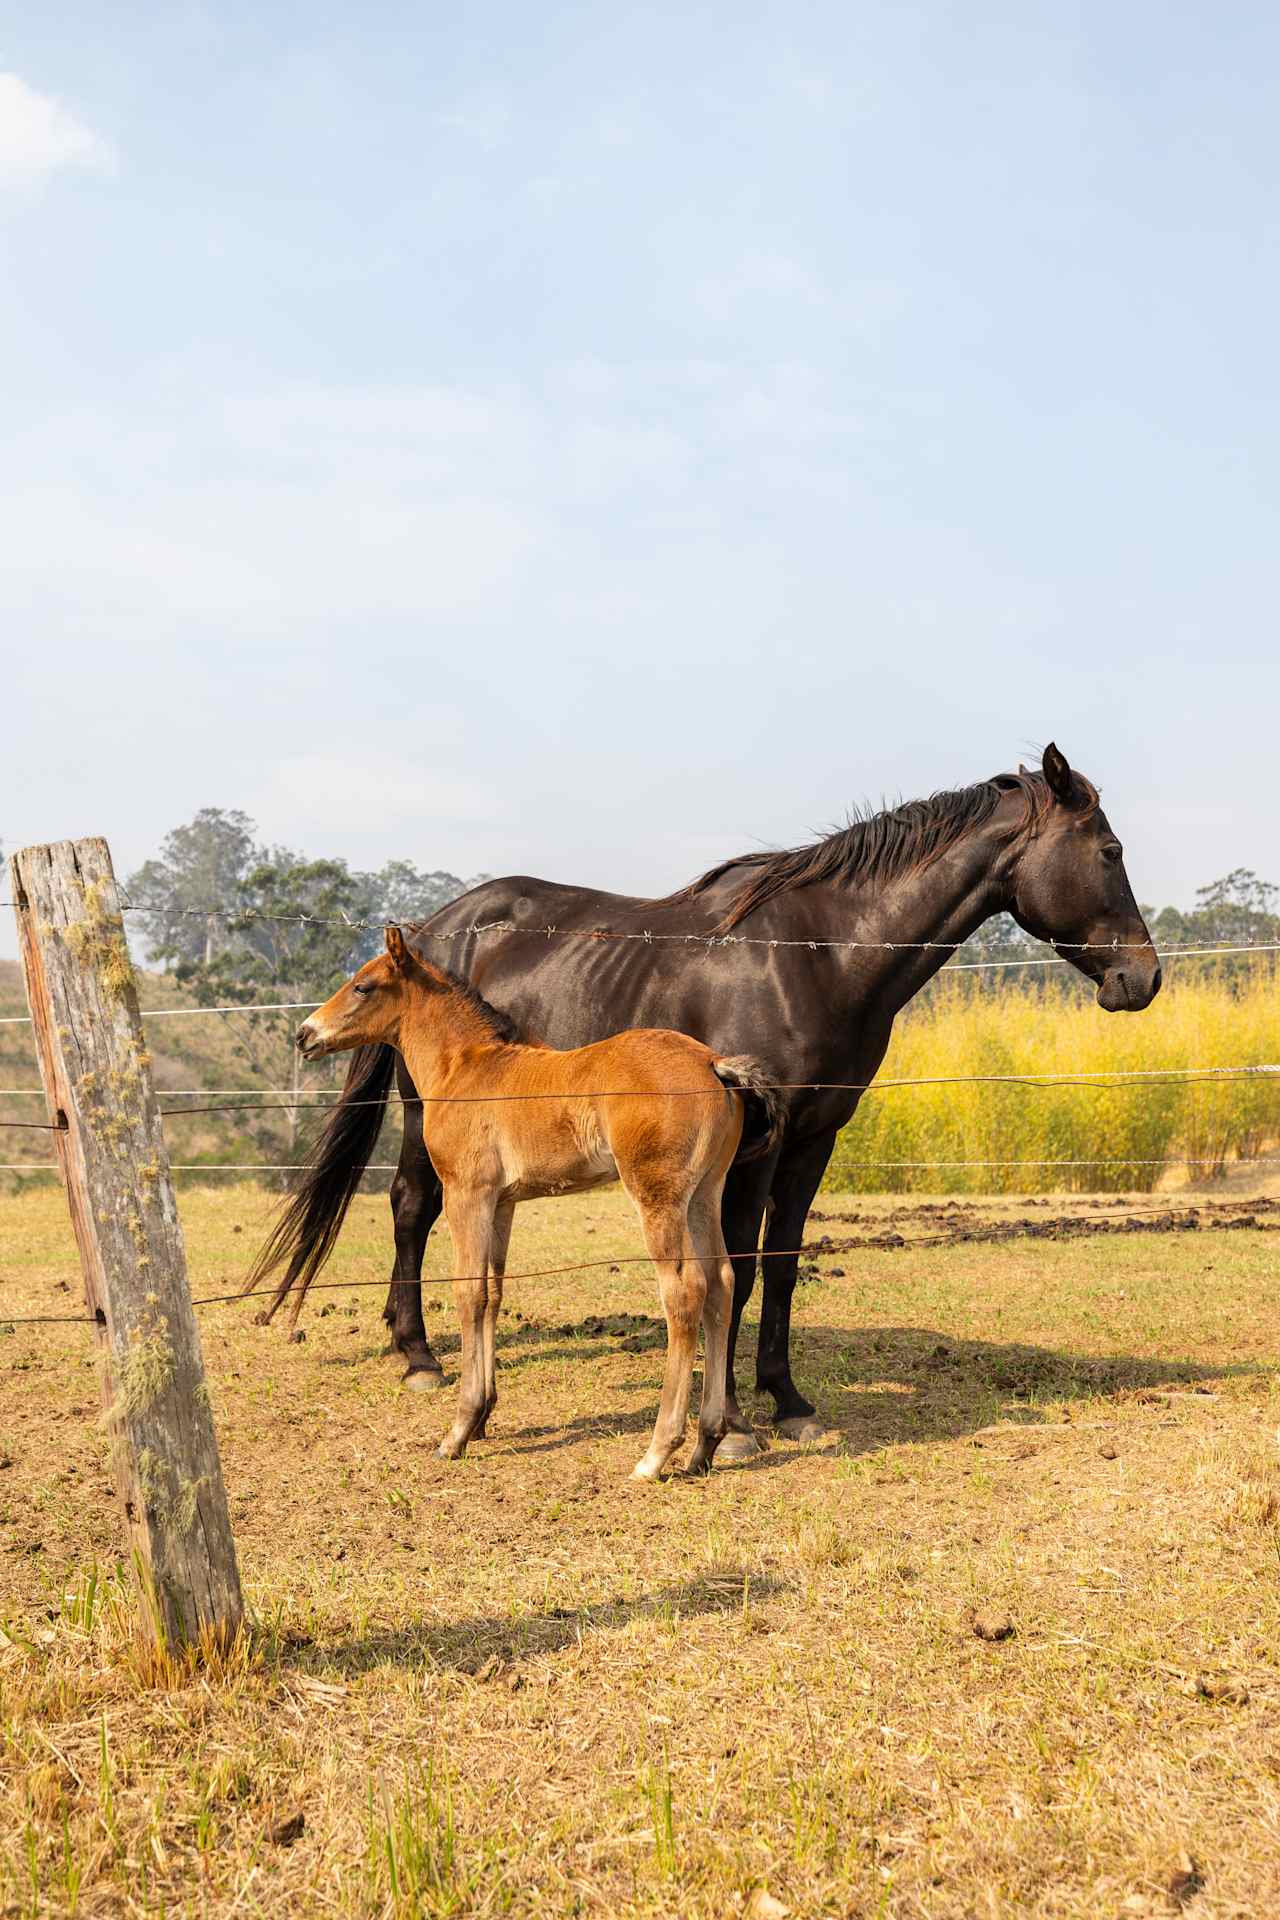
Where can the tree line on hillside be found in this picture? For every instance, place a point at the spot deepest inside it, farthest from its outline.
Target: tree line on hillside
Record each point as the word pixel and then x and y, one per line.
pixel 226 913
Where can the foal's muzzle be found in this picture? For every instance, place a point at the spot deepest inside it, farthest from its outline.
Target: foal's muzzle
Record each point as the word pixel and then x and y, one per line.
pixel 308 1041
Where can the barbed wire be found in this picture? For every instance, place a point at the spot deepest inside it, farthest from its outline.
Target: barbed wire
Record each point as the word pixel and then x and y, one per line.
pixel 237 917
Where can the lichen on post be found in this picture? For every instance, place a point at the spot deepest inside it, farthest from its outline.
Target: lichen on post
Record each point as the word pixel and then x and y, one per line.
pixel 115 1168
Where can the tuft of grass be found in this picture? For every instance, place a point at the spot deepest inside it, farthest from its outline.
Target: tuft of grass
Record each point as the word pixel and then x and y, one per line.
pixel 412 1859
pixel 655 1784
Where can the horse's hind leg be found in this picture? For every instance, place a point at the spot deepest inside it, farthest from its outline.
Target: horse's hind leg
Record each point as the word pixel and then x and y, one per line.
pixel 415 1208
pixel 470 1216
pixel 493 1307
pixel 708 1242
pixel 683 1290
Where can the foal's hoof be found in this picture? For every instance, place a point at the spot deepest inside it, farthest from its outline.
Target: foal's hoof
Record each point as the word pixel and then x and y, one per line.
pixel 804 1427
pixel 736 1447
pixel 423 1379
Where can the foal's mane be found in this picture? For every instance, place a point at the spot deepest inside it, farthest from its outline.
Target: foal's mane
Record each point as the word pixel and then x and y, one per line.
pixel 881 846
pixel 501 1026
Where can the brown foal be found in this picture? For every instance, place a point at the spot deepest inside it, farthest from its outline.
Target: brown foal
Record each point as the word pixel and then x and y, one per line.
pixel 505 1121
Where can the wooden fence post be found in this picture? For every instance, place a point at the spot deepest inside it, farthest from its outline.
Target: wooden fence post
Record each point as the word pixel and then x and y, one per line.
pixel 115 1167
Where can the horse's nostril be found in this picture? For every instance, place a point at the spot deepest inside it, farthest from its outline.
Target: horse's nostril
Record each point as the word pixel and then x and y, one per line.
pixel 1157 980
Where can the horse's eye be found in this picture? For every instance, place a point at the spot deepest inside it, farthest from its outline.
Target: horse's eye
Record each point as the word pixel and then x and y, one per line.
pixel 1113 852
pixel 356 989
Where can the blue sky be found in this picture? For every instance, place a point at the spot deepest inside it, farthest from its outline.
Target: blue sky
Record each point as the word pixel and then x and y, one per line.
pixel 591 440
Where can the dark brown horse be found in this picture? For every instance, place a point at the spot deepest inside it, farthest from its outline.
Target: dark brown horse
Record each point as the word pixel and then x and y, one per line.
pixel 893 894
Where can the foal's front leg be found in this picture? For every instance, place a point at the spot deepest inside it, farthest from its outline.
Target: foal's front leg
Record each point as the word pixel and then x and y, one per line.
pixel 470 1214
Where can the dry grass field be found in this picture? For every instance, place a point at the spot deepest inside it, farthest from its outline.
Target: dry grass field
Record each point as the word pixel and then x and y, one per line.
pixel 1005 1644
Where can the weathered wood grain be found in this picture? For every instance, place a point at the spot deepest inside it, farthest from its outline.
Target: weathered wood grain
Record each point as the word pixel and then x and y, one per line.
pixel 115 1167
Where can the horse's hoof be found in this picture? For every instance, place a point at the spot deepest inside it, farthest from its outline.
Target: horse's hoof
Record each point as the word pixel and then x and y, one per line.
pixel 736 1447
pixel 804 1427
pixel 422 1380
pixel 644 1470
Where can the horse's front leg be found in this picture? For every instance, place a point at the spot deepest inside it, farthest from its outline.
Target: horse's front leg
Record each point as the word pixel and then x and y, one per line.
pixel 745 1193
pixel 797 1178
pixel 415 1207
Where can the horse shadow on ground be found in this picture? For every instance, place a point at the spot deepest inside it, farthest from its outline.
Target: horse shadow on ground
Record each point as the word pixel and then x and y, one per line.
pixel 874 1387
pixel 885 1386
pixel 485 1644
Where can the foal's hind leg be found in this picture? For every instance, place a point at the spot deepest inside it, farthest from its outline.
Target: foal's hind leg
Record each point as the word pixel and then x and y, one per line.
pixel 493 1307
pixel 470 1215
pixel 683 1290
pixel 708 1241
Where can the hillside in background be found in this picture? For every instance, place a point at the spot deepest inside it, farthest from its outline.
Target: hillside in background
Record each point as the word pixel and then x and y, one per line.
pixel 210 1053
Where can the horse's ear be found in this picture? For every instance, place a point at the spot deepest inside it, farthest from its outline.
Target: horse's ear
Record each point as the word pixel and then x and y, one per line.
pixel 1058 774
pixel 397 949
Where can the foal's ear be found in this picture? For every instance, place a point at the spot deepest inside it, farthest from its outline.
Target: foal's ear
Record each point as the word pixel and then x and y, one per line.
pixel 1058 774
pixel 397 949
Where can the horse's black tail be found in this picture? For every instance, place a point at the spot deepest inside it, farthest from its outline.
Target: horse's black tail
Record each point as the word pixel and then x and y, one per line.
pixel 765 1114
pixel 312 1218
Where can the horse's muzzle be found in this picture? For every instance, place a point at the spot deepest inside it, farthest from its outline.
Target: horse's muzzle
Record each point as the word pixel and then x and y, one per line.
pixel 1130 988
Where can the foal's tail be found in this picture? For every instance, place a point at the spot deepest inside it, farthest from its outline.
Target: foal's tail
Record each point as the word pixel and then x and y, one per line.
pixel 311 1220
pixel 765 1115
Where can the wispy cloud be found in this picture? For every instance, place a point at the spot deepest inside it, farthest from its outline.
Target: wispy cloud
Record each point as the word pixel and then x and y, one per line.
pixel 39 136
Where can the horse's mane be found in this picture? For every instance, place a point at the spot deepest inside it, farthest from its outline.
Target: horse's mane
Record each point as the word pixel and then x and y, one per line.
pixel 879 846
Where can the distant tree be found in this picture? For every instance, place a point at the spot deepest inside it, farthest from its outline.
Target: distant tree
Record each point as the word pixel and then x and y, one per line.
pixel 292 930
pixel 1240 910
pixel 1237 910
pixel 191 890
pixel 399 892
pixel 291 938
